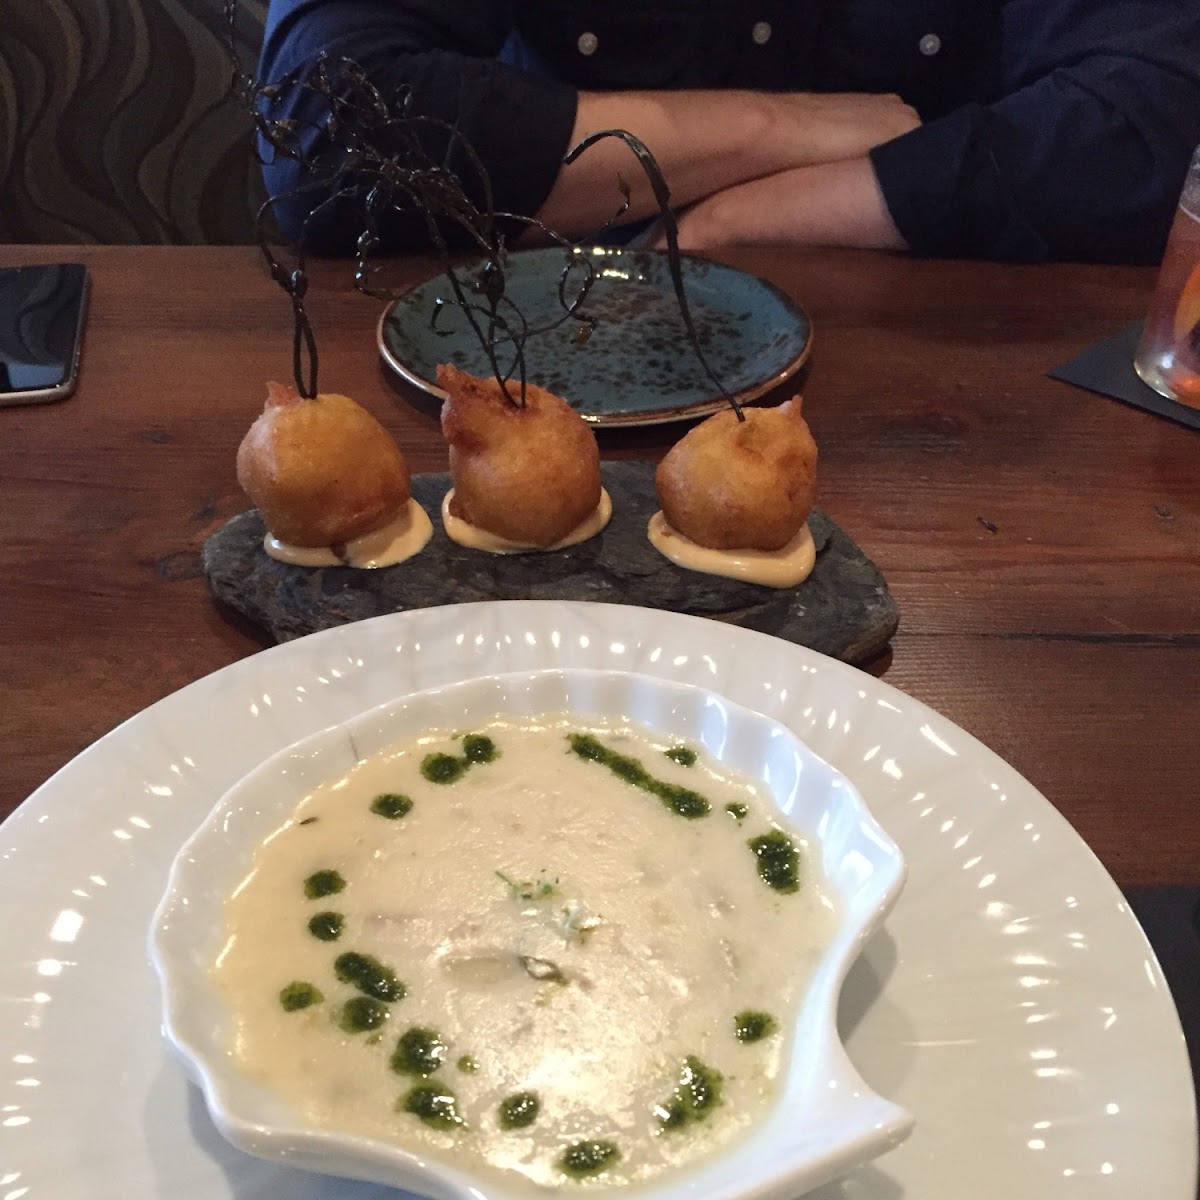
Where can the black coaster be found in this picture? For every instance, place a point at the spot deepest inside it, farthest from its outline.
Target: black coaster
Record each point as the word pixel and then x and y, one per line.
pixel 843 609
pixel 1170 917
pixel 1107 368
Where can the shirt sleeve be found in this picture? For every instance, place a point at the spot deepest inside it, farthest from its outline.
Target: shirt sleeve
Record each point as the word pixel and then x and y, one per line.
pixel 438 58
pixel 1081 154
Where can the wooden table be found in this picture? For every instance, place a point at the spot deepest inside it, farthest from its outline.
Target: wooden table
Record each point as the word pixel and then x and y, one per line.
pixel 1043 543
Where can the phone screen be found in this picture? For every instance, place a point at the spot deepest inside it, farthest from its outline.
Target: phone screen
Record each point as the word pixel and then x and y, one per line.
pixel 41 317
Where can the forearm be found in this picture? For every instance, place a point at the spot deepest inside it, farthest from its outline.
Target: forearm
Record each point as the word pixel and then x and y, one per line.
pixel 520 126
pixel 829 204
pixel 706 142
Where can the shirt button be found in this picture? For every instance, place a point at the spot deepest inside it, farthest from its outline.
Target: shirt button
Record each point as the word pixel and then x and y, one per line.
pixel 761 33
pixel 929 45
pixel 587 44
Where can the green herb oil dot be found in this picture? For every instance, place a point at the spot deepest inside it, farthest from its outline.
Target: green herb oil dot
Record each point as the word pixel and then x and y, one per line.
pixel 588 748
pixel 299 995
pixel 391 805
pixel 327 926
pixel 433 1105
pixel 672 1114
pixel 467 1065
pixel 369 975
pixel 778 861
pixel 443 768
pixel 737 811
pixel 589 1158
pixel 323 883
pixel 520 1110
pixel 478 748
pixel 754 1026
pixel 696 1095
pixel 418 1052
pixel 361 1014
pixel 680 800
pixel 685 756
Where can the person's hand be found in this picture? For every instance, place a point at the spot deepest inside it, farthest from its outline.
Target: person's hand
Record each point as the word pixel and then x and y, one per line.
pixel 708 141
pixel 839 125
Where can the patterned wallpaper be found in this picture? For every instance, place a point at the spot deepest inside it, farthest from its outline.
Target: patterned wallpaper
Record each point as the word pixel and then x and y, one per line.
pixel 116 122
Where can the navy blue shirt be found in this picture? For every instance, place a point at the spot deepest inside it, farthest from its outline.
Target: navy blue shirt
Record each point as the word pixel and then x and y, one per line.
pixel 1050 128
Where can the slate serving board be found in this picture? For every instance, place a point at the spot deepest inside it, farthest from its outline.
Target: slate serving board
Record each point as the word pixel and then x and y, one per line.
pixel 843 609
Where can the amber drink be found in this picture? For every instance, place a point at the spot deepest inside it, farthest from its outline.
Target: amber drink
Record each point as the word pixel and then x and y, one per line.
pixel 1168 355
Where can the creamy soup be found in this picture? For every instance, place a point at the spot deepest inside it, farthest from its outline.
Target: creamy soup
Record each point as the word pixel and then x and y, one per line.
pixel 566 950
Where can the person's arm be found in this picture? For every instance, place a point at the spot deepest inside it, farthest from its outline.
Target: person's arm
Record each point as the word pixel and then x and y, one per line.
pixel 706 142
pixel 1081 156
pixel 441 56
pixel 521 126
pixel 830 204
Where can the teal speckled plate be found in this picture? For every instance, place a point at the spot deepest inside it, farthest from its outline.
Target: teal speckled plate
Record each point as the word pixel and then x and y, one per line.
pixel 637 367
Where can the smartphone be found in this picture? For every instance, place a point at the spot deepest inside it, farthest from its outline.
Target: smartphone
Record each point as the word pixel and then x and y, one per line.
pixel 41 331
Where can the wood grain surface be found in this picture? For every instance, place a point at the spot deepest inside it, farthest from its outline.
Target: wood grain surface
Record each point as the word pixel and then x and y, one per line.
pixel 1042 542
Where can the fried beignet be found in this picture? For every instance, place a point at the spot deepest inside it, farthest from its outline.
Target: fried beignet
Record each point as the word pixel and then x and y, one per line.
pixel 529 474
pixel 741 485
pixel 321 471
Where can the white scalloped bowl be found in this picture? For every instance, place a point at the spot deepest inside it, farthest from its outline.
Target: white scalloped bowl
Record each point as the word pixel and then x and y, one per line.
pixel 826 1120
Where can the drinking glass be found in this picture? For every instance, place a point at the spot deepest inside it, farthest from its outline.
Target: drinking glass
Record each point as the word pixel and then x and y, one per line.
pixel 1168 355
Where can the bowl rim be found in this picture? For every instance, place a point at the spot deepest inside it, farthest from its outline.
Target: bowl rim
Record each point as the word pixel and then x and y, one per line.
pixel 881 1124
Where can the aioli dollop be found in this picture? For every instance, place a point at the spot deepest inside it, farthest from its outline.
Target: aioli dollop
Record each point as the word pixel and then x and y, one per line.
pixel 782 568
pixel 474 538
pixel 400 539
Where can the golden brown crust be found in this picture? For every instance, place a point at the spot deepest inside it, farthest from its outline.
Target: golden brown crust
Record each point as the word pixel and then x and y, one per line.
pixel 321 471
pixel 528 473
pixel 741 485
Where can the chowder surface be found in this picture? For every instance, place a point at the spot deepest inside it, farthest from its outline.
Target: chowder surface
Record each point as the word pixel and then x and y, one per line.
pixel 555 932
